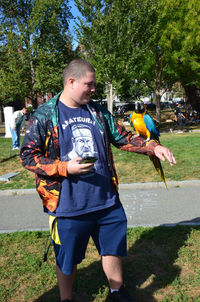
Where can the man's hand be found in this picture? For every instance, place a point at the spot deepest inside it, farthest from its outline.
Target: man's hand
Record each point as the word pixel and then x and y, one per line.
pixel 163 152
pixel 74 166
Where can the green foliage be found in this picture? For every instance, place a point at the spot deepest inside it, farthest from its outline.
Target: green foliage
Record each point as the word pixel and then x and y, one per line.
pixel 105 31
pixel 141 46
pixel 12 70
pixel 36 45
pixel 121 39
pixel 181 37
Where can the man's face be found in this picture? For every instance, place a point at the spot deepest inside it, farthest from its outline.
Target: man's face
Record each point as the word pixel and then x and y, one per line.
pixel 82 89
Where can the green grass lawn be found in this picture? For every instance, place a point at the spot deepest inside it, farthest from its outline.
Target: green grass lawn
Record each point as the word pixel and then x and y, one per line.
pixel 131 167
pixel 162 265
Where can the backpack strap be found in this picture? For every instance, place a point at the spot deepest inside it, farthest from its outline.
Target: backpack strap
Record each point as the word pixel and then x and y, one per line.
pixel 49 240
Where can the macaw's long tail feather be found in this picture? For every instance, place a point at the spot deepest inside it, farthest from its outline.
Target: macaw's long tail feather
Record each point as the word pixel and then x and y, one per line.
pixel 157 164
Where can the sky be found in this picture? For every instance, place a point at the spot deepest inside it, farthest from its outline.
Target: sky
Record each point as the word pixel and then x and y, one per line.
pixel 75 13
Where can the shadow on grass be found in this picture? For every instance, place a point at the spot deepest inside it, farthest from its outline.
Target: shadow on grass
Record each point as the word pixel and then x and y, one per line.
pixel 148 267
pixel 150 264
pixel 8 158
pixel 50 296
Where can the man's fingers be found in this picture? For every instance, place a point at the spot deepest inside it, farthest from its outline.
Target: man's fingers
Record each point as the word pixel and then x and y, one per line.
pixel 172 160
pixel 163 152
pixel 170 157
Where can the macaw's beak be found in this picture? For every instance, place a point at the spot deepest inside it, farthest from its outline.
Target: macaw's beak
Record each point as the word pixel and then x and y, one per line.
pixel 139 107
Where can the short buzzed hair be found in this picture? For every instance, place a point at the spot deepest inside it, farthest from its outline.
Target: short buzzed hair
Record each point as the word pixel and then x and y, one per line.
pixel 77 69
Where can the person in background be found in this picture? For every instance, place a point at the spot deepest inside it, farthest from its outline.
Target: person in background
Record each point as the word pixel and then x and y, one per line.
pixel 17 123
pixel 179 118
pixel 81 204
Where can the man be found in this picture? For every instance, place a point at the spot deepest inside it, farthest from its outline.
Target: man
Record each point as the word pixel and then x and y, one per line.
pixel 17 123
pixel 80 207
pixel 179 118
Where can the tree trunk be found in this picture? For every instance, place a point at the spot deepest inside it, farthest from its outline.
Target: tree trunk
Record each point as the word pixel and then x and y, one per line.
pixel 34 100
pixel 158 112
pixel 158 81
pixel 110 97
pixel 33 93
pixel 192 96
pixel 1 113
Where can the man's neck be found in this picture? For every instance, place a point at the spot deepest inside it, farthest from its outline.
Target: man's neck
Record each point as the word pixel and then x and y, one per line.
pixel 68 101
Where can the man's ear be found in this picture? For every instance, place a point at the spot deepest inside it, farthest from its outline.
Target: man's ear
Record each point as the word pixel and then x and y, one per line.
pixel 71 81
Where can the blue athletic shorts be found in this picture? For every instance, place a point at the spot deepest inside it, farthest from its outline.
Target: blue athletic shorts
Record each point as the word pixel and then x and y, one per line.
pixel 107 228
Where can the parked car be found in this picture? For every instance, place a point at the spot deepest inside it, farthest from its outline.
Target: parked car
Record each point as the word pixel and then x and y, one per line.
pixel 127 107
pixel 166 105
pixel 150 106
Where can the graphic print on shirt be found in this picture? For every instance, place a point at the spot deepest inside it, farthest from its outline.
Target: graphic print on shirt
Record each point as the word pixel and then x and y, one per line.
pixel 82 141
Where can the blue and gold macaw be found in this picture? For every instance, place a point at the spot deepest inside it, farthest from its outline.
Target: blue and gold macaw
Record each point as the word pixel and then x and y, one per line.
pixel 144 125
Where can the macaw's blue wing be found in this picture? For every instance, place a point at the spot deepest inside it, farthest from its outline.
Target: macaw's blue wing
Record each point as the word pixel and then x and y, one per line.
pixel 151 126
pixel 131 124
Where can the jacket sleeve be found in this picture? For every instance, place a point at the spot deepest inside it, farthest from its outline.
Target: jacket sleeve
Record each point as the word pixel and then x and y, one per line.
pixel 128 141
pixel 23 123
pixel 34 154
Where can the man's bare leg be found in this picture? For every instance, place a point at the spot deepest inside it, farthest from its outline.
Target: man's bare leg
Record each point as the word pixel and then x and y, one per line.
pixel 112 266
pixel 65 283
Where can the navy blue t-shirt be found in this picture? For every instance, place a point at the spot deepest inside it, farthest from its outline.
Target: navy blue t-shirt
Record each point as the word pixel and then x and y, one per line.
pixel 80 136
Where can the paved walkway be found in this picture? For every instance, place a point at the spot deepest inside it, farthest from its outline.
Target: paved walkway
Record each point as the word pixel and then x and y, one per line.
pixel 147 204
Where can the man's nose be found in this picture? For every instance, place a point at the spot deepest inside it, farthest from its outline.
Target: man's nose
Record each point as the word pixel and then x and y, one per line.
pixel 92 88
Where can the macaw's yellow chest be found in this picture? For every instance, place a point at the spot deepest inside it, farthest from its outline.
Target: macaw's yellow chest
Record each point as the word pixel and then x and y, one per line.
pixel 139 125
